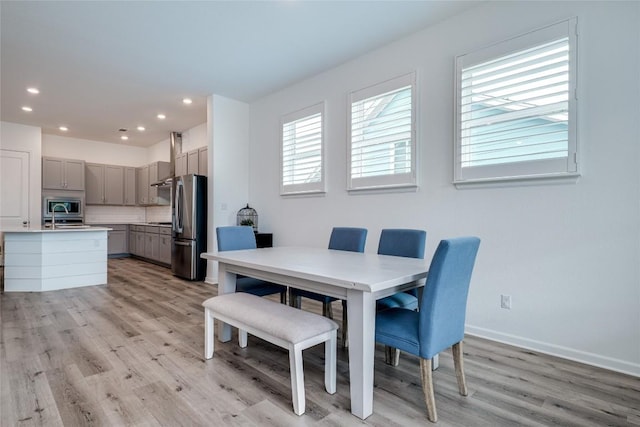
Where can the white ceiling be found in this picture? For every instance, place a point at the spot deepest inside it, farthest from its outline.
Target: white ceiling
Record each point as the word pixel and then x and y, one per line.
pixel 102 66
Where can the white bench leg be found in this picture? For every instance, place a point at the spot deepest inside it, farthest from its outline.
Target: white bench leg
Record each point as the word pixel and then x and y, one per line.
pixel 297 379
pixel 242 338
pixel 208 334
pixel 330 363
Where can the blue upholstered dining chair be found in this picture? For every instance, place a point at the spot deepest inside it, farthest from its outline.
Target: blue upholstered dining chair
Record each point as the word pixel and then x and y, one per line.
pixel 405 243
pixel 440 322
pixel 343 239
pixel 234 238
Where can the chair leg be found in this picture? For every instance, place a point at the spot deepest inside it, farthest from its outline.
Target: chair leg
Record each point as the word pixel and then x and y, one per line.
pixel 391 356
pixel 294 301
pixel 427 388
pixel 345 325
pixel 458 363
pixel 327 311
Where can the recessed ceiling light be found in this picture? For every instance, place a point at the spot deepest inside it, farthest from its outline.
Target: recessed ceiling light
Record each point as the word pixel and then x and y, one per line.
pixel 161 116
pixel 33 90
pixel 63 128
pixel 141 128
pixel 28 109
pixel 187 101
pixel 124 137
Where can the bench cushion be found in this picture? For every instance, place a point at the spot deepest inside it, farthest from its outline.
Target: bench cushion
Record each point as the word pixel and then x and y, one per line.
pixel 278 320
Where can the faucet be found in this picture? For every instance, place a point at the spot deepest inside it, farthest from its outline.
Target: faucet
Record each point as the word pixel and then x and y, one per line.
pixel 53 214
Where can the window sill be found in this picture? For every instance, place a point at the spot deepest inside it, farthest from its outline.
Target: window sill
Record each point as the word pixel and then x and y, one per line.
pixel 410 188
pixel 311 193
pixel 518 181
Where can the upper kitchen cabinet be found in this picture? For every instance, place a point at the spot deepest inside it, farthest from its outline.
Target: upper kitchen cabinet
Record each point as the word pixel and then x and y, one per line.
pixel 151 195
pixel 203 161
pixel 194 161
pixel 62 174
pixel 143 185
pixel 104 184
pixel 129 186
pixel 181 164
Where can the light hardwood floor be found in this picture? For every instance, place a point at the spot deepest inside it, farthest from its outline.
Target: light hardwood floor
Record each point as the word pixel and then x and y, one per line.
pixel 131 353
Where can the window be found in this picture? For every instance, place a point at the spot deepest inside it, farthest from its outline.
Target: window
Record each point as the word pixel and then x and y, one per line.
pixel 382 143
pixel 516 108
pixel 301 155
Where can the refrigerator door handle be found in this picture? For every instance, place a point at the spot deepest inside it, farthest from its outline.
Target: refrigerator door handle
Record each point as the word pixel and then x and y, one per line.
pixel 181 243
pixel 178 206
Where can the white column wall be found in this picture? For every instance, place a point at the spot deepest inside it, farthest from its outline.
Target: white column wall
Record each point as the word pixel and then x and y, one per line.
pixel 228 135
pixel 568 255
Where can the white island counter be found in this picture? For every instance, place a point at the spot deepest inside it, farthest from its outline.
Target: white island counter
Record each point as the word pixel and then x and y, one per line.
pixel 41 259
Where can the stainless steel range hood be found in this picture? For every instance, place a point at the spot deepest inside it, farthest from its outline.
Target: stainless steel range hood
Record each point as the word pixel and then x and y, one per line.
pixel 175 147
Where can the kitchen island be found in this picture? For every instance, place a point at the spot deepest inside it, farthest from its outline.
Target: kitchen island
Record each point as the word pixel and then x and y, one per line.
pixel 41 259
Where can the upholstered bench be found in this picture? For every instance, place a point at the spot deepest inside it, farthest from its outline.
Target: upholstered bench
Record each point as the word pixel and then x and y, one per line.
pixel 279 324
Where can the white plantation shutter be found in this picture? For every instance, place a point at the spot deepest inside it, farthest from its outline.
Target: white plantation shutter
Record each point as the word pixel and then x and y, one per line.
pixel 382 135
pixel 516 107
pixel 302 163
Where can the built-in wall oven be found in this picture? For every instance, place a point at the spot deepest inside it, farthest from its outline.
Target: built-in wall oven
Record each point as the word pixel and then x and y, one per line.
pixel 68 210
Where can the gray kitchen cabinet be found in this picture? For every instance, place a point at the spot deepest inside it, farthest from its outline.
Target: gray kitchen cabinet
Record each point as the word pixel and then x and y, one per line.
pixel 132 241
pixel 94 184
pixel 164 251
pixel 151 243
pixel 117 240
pixel 140 243
pixel 158 195
pixel 104 184
pixel 193 162
pixel 143 185
pixel 147 175
pixel 181 164
pixel 203 161
pixel 62 174
pixel 129 186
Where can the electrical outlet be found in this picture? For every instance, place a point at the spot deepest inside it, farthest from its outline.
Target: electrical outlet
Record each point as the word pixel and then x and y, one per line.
pixel 505 302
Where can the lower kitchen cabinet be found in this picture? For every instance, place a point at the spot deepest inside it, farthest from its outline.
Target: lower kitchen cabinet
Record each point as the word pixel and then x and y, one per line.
pixel 117 240
pixel 151 243
pixel 164 252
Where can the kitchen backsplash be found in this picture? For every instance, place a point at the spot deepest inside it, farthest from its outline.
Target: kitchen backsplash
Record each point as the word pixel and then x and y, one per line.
pixel 126 214
pixel 158 214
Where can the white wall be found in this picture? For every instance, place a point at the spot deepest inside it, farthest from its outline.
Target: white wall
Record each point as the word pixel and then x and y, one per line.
pixel 228 135
pixel 27 138
pixel 567 254
pixel 195 137
pixel 93 151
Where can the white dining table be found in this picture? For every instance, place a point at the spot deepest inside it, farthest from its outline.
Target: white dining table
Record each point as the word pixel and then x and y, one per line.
pixel 360 278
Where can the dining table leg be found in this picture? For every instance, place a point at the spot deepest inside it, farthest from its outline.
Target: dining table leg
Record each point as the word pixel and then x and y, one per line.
pixel 361 317
pixel 226 285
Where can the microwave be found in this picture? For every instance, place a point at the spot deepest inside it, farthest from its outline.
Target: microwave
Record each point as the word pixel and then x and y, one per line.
pixel 67 208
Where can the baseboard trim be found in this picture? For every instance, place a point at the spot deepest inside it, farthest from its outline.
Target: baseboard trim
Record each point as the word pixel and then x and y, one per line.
pixel 593 359
pixel 210 281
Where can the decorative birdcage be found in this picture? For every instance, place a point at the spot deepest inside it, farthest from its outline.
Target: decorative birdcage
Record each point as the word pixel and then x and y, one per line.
pixel 248 216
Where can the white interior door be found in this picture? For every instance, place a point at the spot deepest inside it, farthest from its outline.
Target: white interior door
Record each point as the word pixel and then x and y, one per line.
pixel 14 189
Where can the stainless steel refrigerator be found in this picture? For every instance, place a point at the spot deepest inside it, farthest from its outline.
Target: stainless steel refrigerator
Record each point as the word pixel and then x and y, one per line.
pixel 189 224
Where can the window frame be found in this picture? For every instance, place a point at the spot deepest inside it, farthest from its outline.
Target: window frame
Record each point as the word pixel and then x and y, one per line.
pixel 311 188
pixel 558 169
pixel 389 182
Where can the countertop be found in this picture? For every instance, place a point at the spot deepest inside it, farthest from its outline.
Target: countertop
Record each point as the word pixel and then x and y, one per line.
pixel 154 224
pixel 58 229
